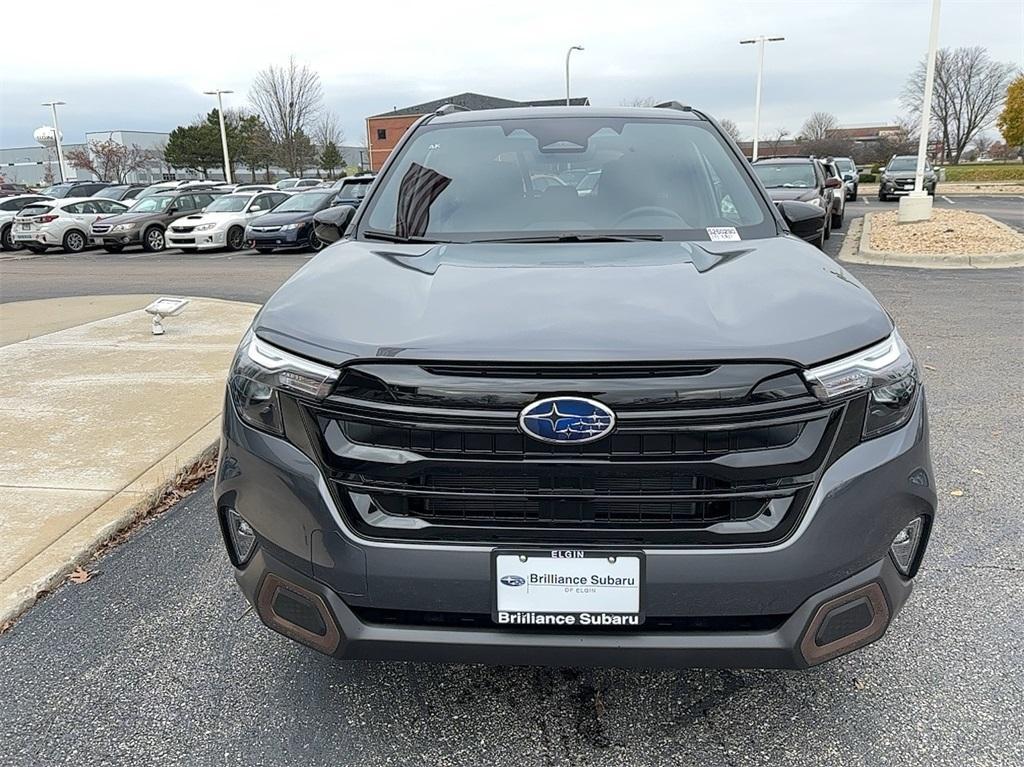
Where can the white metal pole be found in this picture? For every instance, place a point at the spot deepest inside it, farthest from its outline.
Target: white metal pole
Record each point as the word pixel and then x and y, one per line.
pixel 56 137
pixel 926 102
pixel 757 97
pixel 224 138
pixel 568 54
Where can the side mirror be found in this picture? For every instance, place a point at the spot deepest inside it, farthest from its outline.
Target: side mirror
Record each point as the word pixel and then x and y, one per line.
pixel 804 219
pixel 833 183
pixel 171 211
pixel 330 224
pixel 847 177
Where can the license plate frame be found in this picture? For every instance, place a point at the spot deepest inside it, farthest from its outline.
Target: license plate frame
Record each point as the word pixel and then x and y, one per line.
pixel 569 563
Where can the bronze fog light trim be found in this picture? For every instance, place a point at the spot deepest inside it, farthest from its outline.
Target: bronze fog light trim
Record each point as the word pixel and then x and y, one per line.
pixel 814 653
pixel 272 584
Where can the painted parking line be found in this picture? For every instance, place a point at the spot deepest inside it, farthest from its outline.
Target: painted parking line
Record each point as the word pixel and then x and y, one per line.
pixel 948 200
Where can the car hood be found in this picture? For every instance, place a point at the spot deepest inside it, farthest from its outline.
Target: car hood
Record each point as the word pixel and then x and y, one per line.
pixel 196 219
pixel 279 219
pixel 776 298
pixel 792 194
pixel 125 218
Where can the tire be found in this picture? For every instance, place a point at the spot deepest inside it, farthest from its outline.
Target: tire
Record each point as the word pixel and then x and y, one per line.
pixel 153 239
pixel 315 243
pixel 931 192
pixel 236 238
pixel 883 197
pixel 854 197
pixel 264 251
pixel 828 229
pixel 113 248
pixel 821 239
pixel 74 242
pixel 837 219
pixel 7 238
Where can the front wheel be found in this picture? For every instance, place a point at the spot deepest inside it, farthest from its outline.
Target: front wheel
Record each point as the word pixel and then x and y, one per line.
pixel 315 243
pixel 854 195
pixel 153 239
pixel 837 219
pixel 236 238
pixel 7 238
pixel 883 197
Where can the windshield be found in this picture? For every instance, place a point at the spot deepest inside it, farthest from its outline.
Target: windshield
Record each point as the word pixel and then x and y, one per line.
pixel 845 166
pixel 150 190
pixel 906 163
pixel 57 190
pixel 111 192
pixel 304 202
pixel 230 203
pixel 287 183
pixel 154 204
pixel 786 175
pixel 659 179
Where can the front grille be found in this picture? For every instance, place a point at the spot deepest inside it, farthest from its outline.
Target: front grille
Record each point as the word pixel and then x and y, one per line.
pixel 182 229
pixel 265 228
pixel 100 228
pixel 701 454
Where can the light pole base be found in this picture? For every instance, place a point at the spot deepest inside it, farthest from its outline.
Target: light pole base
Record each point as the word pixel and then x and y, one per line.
pixel 916 206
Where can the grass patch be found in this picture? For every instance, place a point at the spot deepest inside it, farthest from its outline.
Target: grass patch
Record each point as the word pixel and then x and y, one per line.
pixel 985 171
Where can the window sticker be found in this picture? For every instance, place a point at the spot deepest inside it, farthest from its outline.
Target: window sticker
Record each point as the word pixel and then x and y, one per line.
pixel 719 233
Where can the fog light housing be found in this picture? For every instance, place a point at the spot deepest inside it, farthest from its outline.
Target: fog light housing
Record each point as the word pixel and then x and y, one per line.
pixel 241 537
pixel 905 544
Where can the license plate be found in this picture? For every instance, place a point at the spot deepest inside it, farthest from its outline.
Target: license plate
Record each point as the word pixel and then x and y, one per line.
pixel 568 588
pixel 25 227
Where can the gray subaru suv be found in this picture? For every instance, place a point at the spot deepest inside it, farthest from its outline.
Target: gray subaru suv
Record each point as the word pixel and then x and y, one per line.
pixel 501 421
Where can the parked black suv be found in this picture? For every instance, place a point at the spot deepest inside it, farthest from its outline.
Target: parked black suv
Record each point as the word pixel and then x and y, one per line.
pixel 648 425
pixel 145 223
pixel 74 189
pixel 899 175
pixel 803 179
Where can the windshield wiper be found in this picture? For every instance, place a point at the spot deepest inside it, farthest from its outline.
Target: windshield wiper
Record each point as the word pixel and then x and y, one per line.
pixel 375 234
pixel 576 237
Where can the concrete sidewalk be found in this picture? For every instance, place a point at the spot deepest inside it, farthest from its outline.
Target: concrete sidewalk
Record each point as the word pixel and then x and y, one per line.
pixel 96 416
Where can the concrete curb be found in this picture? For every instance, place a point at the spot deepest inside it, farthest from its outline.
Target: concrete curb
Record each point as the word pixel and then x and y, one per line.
pixel 865 254
pixel 47 569
pixel 960 189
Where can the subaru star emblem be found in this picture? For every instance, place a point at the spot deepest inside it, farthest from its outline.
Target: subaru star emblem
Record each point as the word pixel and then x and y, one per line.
pixel 513 580
pixel 567 419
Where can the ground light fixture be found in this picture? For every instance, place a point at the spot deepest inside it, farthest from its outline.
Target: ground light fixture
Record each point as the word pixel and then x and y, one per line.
pixel 904 545
pixel 165 306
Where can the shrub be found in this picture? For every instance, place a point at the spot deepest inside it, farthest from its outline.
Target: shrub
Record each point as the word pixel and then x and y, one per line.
pixel 985 172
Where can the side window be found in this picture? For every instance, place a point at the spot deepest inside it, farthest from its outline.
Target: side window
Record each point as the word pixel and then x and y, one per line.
pixel 11 205
pixel 278 198
pixel 75 210
pixel 202 200
pixel 109 206
pixel 260 203
pixel 185 202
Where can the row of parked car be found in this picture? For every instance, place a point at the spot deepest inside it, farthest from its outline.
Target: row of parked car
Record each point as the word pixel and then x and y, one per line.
pixel 187 215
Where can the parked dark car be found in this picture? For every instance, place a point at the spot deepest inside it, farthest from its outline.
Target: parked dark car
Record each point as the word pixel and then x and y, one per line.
pixel 9 208
pixel 74 189
pixel 290 224
pixel 8 189
pixel 121 192
pixel 352 189
pixel 646 426
pixel 838 210
pixel 145 223
pixel 802 179
pixel 898 177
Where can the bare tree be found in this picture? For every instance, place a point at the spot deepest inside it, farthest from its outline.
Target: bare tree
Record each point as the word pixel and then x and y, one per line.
pixel 983 144
pixel 640 101
pixel 969 87
pixel 110 160
pixel 289 100
pixel 328 130
pixel 730 128
pixel 777 138
pixel 818 126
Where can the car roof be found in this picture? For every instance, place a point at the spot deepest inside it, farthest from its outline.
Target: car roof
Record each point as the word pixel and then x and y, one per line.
pixel 523 113
pixel 791 160
pixel 45 197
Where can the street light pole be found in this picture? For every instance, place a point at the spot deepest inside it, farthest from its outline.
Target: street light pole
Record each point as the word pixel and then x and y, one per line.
pixel 568 101
pixel 56 136
pixel 917 206
pixel 223 132
pixel 760 73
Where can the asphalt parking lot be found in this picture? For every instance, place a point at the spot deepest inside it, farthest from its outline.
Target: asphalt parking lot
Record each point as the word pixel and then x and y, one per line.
pixel 158 661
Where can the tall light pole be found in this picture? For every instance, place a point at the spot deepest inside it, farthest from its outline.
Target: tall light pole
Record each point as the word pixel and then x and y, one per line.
pixel 568 54
pixel 56 135
pixel 223 132
pixel 917 206
pixel 760 73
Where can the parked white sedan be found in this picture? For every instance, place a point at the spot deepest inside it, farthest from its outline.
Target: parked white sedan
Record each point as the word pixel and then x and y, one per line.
pixel 221 224
pixel 61 223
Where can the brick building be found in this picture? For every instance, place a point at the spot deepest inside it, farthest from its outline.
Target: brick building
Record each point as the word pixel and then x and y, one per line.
pixel 384 130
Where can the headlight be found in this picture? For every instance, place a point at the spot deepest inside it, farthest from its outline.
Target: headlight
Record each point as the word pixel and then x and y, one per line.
pixel 289 227
pixel 123 228
pixel 815 201
pixel 886 371
pixel 205 227
pixel 260 370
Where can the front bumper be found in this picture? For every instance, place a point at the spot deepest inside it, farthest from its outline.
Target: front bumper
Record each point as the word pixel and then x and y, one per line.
pixel 210 240
pixel 840 547
pixel 131 237
pixel 898 188
pixel 291 238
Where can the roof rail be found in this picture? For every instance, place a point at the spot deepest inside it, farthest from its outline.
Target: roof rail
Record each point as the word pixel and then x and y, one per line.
pixel 447 109
pixel 673 105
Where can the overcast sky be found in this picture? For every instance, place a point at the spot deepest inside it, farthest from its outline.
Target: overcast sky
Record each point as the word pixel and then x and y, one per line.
pixel 143 66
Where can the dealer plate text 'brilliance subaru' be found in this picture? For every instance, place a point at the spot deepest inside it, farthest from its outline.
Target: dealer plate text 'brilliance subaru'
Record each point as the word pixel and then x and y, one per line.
pixel 504 421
